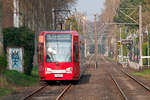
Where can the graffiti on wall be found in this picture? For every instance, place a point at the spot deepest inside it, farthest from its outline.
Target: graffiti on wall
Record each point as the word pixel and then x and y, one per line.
pixel 15 61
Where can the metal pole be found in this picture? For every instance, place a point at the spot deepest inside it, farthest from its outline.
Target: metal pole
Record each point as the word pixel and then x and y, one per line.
pixel 108 48
pixel 1 35
pixel 96 48
pixel 85 47
pixel 147 44
pixel 71 25
pixel 80 25
pixel 53 18
pixel 121 57
pixel 84 33
pixel 140 35
pixel 148 48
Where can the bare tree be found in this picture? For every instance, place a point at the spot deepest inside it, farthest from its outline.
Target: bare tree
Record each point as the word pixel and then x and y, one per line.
pixel 107 16
pixel 37 14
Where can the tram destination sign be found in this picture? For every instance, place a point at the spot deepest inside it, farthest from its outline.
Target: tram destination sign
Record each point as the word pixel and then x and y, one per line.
pixel 58 36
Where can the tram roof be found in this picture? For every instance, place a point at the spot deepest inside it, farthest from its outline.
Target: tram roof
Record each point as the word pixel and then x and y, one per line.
pixel 74 32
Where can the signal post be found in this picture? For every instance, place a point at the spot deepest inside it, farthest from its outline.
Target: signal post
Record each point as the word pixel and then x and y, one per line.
pixel 96 47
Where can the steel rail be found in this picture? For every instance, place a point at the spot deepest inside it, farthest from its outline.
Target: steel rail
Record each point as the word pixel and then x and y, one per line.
pixel 34 92
pixel 143 85
pixel 63 92
pixel 121 91
pixel 117 85
pixel 90 59
pixel 137 81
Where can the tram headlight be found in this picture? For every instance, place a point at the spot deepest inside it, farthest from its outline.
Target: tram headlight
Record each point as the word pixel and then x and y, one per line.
pixel 69 70
pixel 48 70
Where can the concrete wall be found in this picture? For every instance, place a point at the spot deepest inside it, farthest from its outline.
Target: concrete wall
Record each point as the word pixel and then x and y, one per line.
pixel 134 65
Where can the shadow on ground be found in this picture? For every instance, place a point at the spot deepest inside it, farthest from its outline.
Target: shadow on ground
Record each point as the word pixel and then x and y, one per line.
pixel 84 79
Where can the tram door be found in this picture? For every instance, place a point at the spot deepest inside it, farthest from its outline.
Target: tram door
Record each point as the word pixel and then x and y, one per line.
pixel 76 56
pixel 41 58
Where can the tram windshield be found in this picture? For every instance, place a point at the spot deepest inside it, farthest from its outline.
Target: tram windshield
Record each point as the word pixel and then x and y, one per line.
pixel 58 47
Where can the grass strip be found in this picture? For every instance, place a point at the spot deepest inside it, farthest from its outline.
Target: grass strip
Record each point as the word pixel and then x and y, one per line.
pixel 11 79
pixel 143 73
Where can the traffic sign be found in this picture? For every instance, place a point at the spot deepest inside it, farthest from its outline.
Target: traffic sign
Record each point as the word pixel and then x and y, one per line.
pixel 125 42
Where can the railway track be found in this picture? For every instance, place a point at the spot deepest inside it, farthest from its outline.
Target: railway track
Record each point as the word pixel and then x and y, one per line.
pixel 48 93
pixel 123 81
pixel 91 61
pixel 63 92
pixel 119 88
pixel 124 95
pixel 139 82
pixel 34 92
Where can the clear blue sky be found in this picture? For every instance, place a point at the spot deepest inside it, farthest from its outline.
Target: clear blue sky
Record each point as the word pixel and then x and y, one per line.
pixel 90 7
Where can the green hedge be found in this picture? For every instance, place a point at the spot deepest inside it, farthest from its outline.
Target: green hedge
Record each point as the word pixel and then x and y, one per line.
pixel 144 52
pixel 3 63
pixel 21 37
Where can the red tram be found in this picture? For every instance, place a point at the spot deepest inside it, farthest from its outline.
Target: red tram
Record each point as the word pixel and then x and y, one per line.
pixel 60 55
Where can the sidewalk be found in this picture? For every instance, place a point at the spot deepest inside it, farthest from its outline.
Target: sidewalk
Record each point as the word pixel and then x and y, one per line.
pixel 134 65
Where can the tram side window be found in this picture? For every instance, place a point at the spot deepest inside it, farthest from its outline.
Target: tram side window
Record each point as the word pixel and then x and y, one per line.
pixel 41 53
pixel 76 54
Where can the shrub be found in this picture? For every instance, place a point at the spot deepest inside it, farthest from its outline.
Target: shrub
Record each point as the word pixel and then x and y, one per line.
pixel 145 61
pixel 21 37
pixel 3 63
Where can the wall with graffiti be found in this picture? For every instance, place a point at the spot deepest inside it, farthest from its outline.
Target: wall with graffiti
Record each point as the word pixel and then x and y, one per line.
pixel 15 59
